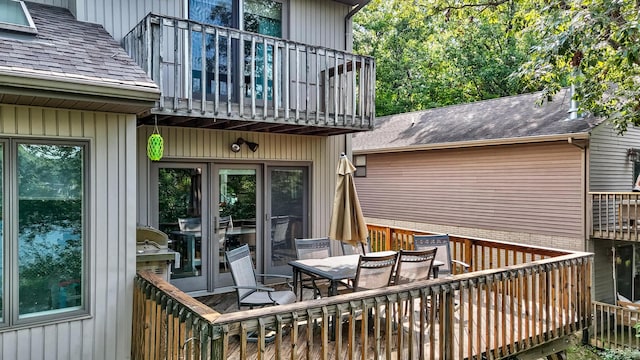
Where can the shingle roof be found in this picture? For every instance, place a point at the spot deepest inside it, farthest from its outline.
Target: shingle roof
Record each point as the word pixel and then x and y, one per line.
pixel 70 50
pixel 502 118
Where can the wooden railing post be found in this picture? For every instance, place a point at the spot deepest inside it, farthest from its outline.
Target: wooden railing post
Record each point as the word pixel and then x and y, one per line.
pixel 387 238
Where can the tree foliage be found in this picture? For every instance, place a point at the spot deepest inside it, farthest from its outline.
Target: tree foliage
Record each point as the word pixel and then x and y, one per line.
pixel 440 52
pixel 596 45
pixel 431 53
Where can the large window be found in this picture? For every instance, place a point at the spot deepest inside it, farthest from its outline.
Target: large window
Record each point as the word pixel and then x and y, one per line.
pixel 14 16
pixel 44 231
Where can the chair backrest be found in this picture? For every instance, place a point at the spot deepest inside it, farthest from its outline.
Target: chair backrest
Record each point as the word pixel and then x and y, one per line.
pixel 362 249
pixel 318 248
pixel 190 224
pixel 242 271
pixel 414 265
pixel 224 223
pixel 279 227
pixel 374 272
pixel 440 242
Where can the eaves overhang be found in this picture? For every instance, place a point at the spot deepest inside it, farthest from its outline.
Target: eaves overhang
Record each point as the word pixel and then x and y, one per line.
pixel 137 97
pixel 570 137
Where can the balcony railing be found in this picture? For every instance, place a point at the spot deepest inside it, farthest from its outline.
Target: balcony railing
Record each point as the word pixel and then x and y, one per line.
pixel 615 215
pixel 248 81
pixel 493 313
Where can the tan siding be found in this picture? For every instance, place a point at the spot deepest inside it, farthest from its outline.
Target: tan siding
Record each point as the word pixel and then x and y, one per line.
pixel 213 145
pixel 106 335
pixel 519 188
pixel 610 170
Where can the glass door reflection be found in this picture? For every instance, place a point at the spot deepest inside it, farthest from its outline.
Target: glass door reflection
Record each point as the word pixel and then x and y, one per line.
pixel 237 208
pixel 180 215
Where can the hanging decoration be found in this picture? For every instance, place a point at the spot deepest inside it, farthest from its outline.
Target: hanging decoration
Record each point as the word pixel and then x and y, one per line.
pixel 155 144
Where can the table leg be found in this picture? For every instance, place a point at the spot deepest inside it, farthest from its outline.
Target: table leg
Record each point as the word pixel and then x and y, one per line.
pixel 296 281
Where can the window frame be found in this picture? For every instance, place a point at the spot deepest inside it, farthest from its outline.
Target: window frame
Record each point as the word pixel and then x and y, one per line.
pixel 360 162
pixel 11 317
pixel 30 29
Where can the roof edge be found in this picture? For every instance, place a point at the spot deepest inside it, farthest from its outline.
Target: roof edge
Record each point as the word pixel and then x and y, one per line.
pixel 477 143
pixel 48 82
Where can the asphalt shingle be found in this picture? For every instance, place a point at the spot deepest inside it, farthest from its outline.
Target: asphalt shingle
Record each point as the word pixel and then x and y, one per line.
pixel 502 118
pixel 70 50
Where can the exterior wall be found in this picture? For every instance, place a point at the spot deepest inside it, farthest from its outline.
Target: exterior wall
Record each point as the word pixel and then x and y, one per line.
pixel 106 332
pixel 185 143
pixel 530 193
pixel 602 271
pixel 610 170
pixel 306 17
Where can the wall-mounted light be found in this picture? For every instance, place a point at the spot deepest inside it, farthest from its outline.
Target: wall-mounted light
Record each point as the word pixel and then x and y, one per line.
pixel 633 154
pixel 235 147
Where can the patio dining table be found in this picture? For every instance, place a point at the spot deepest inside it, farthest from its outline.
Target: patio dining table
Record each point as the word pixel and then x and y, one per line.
pixel 336 269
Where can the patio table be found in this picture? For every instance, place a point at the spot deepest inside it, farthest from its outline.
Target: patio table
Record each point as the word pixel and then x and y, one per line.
pixel 335 269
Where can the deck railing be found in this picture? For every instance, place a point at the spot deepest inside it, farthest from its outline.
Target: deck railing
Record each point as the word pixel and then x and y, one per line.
pixel 480 254
pixel 615 215
pixel 485 314
pixel 212 71
pixel 614 326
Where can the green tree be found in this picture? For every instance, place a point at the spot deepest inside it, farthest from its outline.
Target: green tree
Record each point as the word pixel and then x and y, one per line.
pixel 433 54
pixel 595 44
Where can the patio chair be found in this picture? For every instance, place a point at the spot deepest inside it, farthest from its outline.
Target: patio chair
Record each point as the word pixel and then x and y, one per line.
pixel 318 248
pixel 374 272
pixel 250 293
pixel 362 249
pixel 414 265
pixel 442 243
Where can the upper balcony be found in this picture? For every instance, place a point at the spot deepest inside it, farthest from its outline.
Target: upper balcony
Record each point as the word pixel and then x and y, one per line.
pixel 251 82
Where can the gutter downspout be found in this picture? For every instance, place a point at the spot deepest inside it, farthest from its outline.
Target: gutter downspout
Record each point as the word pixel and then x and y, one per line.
pixel 349 16
pixel 347 137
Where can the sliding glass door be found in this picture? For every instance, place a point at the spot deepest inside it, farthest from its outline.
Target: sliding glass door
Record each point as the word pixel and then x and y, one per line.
pixel 182 214
pixel 287 216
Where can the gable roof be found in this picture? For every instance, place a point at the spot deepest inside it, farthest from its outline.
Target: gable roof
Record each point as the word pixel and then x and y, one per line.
pixel 514 117
pixel 69 51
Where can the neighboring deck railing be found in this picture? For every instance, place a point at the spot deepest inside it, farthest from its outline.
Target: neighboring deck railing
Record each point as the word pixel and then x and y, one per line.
pixel 615 215
pixel 252 77
pixel 614 326
pixel 485 314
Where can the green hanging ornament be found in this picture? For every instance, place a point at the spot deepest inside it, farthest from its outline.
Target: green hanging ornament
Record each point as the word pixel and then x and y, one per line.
pixel 155 145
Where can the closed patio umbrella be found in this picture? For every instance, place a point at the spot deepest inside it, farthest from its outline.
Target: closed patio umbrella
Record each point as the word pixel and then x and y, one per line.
pixel 347 221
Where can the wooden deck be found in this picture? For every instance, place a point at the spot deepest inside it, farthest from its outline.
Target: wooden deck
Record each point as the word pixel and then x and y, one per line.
pixel 516 299
pixel 488 338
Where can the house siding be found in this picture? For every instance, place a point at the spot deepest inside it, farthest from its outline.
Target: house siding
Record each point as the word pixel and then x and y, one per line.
pixel 603 281
pixel 213 145
pixel 106 332
pixel 530 193
pixel 320 23
pixel 610 170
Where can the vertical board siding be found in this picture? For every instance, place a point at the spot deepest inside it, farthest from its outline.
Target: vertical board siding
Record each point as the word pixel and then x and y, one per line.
pixel 305 17
pixel 213 145
pixel 518 188
pixel 106 334
pixel 603 271
pixel 609 167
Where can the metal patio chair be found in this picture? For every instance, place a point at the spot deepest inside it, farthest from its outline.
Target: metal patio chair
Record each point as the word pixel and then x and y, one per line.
pixel 443 244
pixel 250 293
pixel 362 249
pixel 316 248
pixel 374 272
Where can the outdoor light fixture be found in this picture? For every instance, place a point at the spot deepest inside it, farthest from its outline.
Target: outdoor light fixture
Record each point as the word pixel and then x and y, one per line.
pixel 235 147
pixel 633 155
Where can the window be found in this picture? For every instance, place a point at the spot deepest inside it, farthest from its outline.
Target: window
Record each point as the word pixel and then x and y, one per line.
pixel 360 162
pixel 45 270
pixel 14 16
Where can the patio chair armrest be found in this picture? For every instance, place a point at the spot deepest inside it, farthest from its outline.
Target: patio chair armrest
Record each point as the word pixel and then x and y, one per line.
pixel 263 288
pixel 464 265
pixel 275 276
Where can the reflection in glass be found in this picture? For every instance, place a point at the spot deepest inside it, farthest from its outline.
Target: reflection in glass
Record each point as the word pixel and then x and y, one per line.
pixel 1 231
pixel 237 208
pixel 180 216
pixel 50 227
pixel 287 213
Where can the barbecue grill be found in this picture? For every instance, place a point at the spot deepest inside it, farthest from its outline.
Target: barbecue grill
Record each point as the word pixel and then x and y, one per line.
pixel 152 251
